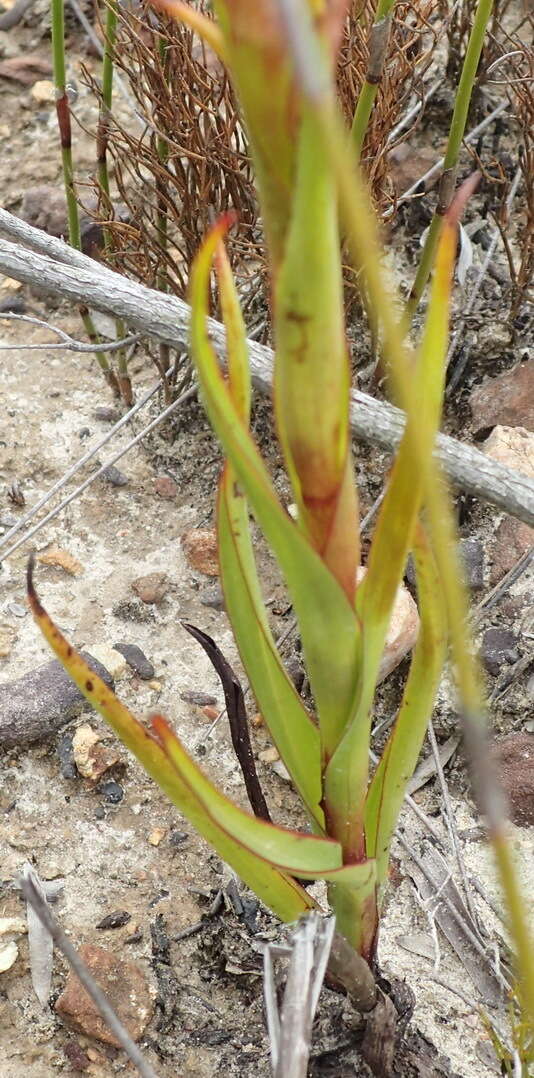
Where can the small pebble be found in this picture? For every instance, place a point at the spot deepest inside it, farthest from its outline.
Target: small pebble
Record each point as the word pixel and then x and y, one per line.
pixel 76 1056
pixel 269 756
pixel 112 791
pixel 156 836
pixel 136 659
pixel 177 838
pixel 200 548
pixel 212 597
pixel 112 659
pixel 155 685
pixel 67 764
pixel 114 920
pixel 165 487
pixel 151 588
pixel 84 433
pixel 200 699
pixel 498 647
pixel 114 476
pixel 210 713
pixel 106 415
pixel 472 555
pixel 17 610
pixel 100 812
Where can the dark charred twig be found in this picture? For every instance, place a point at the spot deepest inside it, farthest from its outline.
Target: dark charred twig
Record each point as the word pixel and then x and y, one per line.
pixel 237 718
pixel 87 980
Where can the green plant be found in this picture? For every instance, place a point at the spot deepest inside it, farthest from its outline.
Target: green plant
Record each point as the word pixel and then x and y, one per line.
pixel 64 126
pixel 281 56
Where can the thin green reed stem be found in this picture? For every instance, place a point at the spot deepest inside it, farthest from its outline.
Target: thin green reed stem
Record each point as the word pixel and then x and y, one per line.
pixel 110 37
pixel 378 43
pixel 64 124
pixel 454 143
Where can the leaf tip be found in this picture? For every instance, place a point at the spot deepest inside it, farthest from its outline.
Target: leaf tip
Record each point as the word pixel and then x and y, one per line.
pixel 33 598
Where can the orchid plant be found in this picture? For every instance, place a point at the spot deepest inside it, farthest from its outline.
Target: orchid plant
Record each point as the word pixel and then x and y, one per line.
pixel 281 57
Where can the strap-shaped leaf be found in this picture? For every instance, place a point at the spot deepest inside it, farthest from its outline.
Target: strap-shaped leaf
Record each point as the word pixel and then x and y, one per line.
pixel 292 730
pixel 330 642
pixel 311 373
pixel 347 774
pixel 279 891
pixel 399 758
pixel 292 851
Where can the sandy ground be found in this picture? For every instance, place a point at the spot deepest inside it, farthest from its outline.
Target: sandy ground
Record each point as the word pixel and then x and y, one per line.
pixel 103 852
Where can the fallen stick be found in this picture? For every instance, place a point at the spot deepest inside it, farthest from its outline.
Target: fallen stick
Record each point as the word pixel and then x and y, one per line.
pixel 60 270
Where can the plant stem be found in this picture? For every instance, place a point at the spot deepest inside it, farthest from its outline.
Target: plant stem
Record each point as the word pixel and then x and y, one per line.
pixel 161 220
pixel 64 124
pixel 456 134
pixel 378 44
pixel 102 140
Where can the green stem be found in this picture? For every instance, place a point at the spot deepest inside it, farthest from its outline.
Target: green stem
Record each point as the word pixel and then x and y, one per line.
pixel 378 44
pixel 454 143
pixel 110 36
pixel 64 125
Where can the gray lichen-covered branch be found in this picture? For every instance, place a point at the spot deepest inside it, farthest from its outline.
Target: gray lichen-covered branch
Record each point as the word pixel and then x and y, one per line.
pixel 55 268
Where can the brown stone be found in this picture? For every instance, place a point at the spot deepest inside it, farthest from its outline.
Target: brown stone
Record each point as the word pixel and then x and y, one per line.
pixel 507 400
pixel 151 588
pixel 125 987
pixel 165 487
pixel 200 549
pixel 514 757
pixel 512 539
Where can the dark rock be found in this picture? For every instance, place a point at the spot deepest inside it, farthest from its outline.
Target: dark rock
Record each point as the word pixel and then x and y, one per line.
pixel 200 699
pixel 212 597
pixel 497 648
pixel 67 765
pixel 76 1056
pixel 151 588
pixel 507 400
pixel 106 414
pixel 44 207
pixel 115 920
pixel 472 555
pixel 114 476
pixel 137 660
pixel 177 838
pixel 14 302
pixel 37 705
pixel 514 757
pixel 112 791
pixel 125 987
pixel 100 812
pixel 84 433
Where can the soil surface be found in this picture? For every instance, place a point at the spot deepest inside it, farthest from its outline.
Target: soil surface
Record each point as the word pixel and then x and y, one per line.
pixel 119 845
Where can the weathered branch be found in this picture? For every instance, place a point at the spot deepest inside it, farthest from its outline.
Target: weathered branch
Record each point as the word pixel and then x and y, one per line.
pixel 60 270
